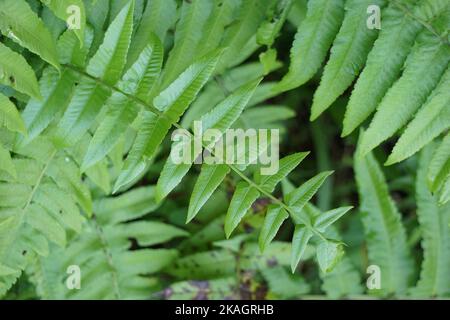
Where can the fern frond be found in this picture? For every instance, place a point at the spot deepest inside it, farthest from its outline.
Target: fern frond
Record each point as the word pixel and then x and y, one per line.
pixel 431 120
pixel 348 54
pixel 169 106
pixel 343 280
pixel 434 223
pixel 308 52
pixel 38 206
pixel 386 238
pixel 109 268
pixel 111 101
pixel 413 38
pixel 439 170
pixel 221 118
pixel 107 65
pixel 423 70
pixel 19 23
pixel 383 66
pixel 216 91
pixel 286 165
pixel 121 111
pixel 56 89
pixel 243 198
pixel 210 177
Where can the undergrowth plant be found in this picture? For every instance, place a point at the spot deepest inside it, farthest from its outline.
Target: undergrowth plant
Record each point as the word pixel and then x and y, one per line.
pixel 92 92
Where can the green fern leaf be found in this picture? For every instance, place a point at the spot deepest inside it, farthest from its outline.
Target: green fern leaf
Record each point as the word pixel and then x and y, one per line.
pixel 383 65
pixel 97 14
pixel 326 219
pixel 188 34
pixel 30 215
pixel 275 217
pixel 429 9
pixel 158 17
pixel 67 176
pixel 323 20
pixel 6 163
pixel 19 23
pixel 102 251
pixel 106 65
pixel 329 253
pixel 298 198
pixel 432 119
pixel 121 111
pixel 10 117
pixel 220 118
pixel 439 169
pixel 445 192
pixel 127 206
pixel 286 165
pixel 242 199
pixel 17 73
pixel 386 238
pixel 348 55
pixel 215 91
pixel 344 279
pixel 423 70
pixel 39 219
pixel 171 103
pixel 266 116
pixel 269 30
pixel 172 173
pixel 434 222
pixel 220 17
pixel 300 240
pixel 61 204
pixel 99 175
pixel 207 182
pixel 130 174
pixel 240 38
pixel 56 88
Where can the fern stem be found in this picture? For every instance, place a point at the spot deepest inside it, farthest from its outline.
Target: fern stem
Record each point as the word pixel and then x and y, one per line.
pixel 176 125
pixel 277 201
pixel 108 256
pixel 38 181
pixel 114 88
